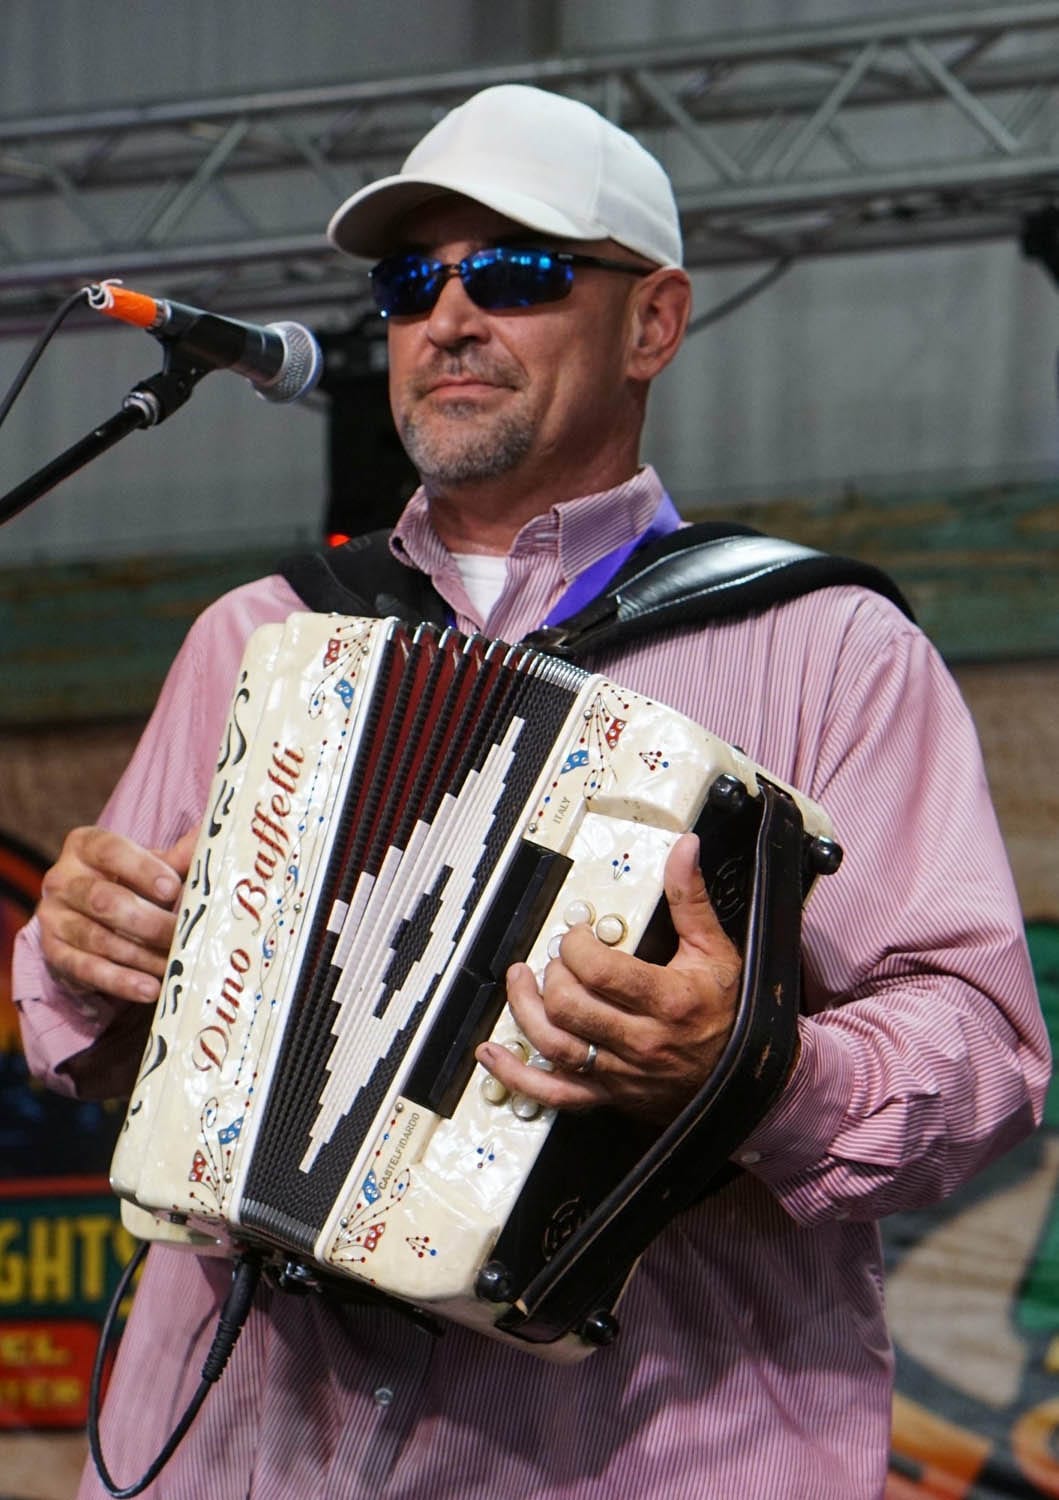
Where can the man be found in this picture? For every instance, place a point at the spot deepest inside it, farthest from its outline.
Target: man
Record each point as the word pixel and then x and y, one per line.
pixel 754 1358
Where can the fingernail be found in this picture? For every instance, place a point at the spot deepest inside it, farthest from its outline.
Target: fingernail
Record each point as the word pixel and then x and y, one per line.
pixel 167 886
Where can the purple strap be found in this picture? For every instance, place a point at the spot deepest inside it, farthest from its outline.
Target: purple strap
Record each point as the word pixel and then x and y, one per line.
pixel 595 578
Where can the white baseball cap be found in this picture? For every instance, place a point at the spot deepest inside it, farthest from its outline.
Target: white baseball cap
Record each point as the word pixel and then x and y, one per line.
pixel 544 160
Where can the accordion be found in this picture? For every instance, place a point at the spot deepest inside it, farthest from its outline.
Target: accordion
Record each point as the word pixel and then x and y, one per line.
pixel 396 816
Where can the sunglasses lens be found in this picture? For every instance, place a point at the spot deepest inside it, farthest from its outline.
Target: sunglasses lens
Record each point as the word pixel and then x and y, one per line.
pixel 508 277
pixel 405 285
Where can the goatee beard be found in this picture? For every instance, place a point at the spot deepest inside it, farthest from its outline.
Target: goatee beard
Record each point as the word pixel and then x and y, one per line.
pixel 465 451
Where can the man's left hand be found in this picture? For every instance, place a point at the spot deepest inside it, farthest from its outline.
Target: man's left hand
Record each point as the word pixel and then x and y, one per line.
pixel 649 1034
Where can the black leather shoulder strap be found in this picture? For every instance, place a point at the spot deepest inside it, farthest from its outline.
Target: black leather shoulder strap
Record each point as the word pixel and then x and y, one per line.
pixel 362 577
pixel 702 573
pixel 709 571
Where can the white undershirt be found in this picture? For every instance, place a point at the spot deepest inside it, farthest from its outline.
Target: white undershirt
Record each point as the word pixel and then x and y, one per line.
pixel 483 575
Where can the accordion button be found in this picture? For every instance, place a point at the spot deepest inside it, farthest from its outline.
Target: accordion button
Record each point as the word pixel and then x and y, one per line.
pixel 553 945
pixel 611 929
pixel 579 911
pixel 524 1107
pixel 493 1091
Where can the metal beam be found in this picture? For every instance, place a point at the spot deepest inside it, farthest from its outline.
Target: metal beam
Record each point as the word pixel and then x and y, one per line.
pixel 933 128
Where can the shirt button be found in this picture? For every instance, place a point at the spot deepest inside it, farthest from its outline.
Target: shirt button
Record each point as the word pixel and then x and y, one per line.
pixel 383 1395
pixel 748 1158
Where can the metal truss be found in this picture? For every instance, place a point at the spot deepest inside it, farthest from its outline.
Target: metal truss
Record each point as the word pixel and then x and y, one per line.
pixel 924 129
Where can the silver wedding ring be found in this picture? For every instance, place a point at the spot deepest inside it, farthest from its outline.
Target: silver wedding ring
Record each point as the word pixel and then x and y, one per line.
pixel 590 1059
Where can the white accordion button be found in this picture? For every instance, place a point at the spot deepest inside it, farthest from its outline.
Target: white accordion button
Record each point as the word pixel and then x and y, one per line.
pixel 611 929
pixel 579 911
pixel 493 1091
pixel 524 1107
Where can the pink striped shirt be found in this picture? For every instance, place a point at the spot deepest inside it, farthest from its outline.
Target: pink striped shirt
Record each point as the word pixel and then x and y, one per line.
pixel 754 1358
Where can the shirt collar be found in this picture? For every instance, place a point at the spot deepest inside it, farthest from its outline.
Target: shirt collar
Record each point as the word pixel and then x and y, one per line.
pixel 578 531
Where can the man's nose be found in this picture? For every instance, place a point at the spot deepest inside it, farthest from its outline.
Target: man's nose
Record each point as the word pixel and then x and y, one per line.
pixel 454 318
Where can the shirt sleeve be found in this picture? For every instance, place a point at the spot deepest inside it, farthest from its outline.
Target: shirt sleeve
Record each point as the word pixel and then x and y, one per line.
pixel 924 1053
pixel 87 1044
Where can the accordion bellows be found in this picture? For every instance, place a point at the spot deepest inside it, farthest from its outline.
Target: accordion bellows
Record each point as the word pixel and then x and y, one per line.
pixel 397 816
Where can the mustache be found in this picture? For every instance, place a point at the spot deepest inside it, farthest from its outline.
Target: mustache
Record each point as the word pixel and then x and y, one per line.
pixel 467 365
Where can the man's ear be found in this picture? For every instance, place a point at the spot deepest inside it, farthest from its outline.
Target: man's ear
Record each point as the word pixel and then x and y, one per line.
pixel 660 308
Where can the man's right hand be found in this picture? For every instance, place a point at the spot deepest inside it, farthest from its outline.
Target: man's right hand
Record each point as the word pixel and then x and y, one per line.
pixel 106 912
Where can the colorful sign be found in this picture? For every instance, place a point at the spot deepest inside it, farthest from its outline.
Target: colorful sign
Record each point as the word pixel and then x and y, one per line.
pixel 62 1246
pixel 973 1304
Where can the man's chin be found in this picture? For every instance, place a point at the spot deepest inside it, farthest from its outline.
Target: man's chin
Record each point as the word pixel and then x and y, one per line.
pixel 459 472
pixel 467 456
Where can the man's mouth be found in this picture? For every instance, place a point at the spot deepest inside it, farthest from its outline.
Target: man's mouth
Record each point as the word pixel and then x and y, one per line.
pixel 460 384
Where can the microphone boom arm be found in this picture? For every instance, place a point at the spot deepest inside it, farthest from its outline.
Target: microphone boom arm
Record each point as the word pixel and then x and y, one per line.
pixel 147 404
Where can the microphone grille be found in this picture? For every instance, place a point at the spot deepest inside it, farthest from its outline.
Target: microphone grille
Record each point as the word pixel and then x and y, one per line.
pixel 302 365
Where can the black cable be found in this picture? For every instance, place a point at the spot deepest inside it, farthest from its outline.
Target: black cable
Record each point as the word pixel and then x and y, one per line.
pixel 810 245
pixel 38 349
pixel 729 305
pixel 245 1276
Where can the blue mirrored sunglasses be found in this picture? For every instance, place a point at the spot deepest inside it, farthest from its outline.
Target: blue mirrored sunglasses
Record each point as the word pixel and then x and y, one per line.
pixel 504 277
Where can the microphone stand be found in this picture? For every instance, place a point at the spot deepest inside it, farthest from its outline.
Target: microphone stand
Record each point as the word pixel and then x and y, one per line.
pixel 147 404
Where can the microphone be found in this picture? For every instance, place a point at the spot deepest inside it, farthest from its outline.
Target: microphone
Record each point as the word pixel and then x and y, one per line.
pixel 282 361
